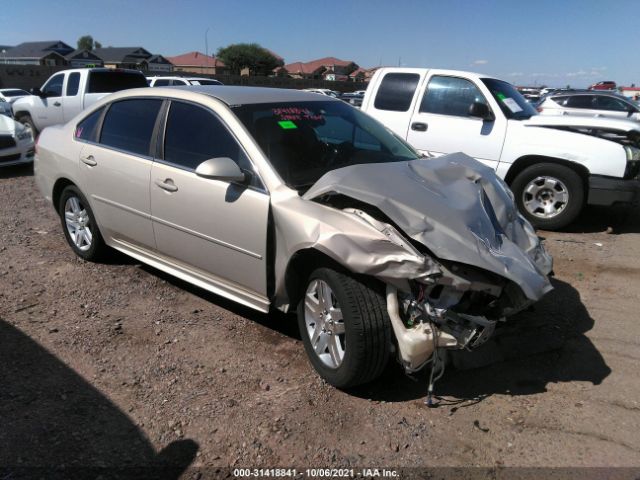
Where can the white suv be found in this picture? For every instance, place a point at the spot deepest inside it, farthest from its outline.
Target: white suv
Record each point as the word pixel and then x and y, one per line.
pixel 592 103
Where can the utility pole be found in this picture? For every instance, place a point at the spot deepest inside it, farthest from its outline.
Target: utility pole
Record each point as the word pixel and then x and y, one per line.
pixel 206 46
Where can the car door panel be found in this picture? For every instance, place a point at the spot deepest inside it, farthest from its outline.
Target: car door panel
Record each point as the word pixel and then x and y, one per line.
pixel 214 226
pixel 443 126
pixel 48 109
pixel 211 225
pixel 116 171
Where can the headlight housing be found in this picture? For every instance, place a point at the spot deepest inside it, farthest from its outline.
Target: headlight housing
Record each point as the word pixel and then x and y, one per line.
pixel 633 162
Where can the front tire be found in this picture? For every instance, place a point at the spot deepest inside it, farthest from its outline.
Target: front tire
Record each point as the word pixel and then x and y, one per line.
pixel 549 195
pixel 79 225
pixel 345 328
pixel 26 120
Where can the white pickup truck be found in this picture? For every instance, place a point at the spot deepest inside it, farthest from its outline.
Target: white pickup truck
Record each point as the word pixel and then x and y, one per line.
pixel 554 165
pixel 65 94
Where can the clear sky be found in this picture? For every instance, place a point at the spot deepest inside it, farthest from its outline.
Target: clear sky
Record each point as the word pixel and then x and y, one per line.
pixel 534 42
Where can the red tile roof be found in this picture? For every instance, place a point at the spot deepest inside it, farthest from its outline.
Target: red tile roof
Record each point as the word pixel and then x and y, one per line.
pixel 195 59
pixel 315 65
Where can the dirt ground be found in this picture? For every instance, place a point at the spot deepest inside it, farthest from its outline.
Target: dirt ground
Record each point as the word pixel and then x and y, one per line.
pixel 118 364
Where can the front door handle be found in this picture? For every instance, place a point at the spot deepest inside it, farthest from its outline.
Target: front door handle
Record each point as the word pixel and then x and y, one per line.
pixel 57 104
pixel 89 160
pixel 419 127
pixel 167 185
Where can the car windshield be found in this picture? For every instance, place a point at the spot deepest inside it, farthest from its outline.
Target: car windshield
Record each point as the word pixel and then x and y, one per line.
pixel 305 140
pixel 511 102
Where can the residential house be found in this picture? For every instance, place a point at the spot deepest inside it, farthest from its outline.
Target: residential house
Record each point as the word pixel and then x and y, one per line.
pixel 197 62
pixel 132 57
pixel 83 58
pixel 37 53
pixel 362 74
pixel 328 68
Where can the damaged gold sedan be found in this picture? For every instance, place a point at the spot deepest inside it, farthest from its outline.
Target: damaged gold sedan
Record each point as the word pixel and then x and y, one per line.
pixel 279 199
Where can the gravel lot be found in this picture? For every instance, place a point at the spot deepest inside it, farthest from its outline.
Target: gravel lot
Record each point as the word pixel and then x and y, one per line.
pixel 118 364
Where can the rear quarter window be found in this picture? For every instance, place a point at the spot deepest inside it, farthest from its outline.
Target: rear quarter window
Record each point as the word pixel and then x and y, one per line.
pixel 396 91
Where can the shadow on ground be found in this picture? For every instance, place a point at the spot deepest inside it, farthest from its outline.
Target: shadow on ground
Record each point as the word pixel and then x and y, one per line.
pixel 17 171
pixel 545 345
pixel 284 324
pixel 56 425
pixel 618 219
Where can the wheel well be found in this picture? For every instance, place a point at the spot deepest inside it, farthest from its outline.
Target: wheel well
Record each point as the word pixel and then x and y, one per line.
pixel 58 187
pixel 19 114
pixel 300 266
pixel 523 162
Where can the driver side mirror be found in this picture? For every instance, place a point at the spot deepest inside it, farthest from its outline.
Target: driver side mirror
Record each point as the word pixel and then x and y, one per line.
pixel 481 110
pixel 37 92
pixel 221 168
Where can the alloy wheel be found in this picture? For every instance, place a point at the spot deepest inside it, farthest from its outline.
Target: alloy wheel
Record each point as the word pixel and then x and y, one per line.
pixel 325 324
pixel 78 223
pixel 545 197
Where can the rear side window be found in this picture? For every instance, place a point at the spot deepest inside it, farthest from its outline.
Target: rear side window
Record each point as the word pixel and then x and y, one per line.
pixel 179 82
pixel 580 101
pixel 396 91
pixel 87 128
pixel 128 125
pixel 162 82
pixel 73 83
pixel 194 135
pixel 450 96
pixel 115 81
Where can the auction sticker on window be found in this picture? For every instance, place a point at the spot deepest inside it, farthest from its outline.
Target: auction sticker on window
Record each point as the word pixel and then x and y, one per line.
pixel 510 103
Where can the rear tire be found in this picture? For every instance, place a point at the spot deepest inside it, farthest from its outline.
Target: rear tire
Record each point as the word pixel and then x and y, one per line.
pixel 549 195
pixel 26 120
pixel 355 312
pixel 79 225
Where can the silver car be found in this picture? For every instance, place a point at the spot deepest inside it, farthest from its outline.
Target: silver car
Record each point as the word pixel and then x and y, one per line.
pixel 281 199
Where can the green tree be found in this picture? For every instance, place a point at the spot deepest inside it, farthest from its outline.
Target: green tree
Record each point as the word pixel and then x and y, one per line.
pixel 86 42
pixel 257 59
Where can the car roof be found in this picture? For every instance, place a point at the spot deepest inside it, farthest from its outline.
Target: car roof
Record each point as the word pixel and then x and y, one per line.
pixel 236 95
pixel 586 92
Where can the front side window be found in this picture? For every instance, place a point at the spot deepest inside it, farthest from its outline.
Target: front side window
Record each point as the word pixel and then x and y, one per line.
pixel 162 82
pixel 604 102
pixel 450 96
pixel 396 91
pixel 128 125
pixel 305 140
pixel 73 82
pixel 87 128
pixel 194 134
pixel 53 88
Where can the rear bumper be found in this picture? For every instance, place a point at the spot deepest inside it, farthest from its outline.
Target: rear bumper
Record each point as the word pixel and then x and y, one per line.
pixel 609 191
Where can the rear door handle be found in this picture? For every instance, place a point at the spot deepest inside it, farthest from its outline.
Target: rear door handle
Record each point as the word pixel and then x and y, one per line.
pixel 419 127
pixel 167 185
pixel 57 104
pixel 89 160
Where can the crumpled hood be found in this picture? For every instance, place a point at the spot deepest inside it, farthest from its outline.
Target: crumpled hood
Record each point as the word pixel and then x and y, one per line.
pixel 456 207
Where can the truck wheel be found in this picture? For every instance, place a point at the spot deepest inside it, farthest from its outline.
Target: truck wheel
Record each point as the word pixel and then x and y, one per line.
pixel 26 120
pixel 79 225
pixel 345 328
pixel 549 195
